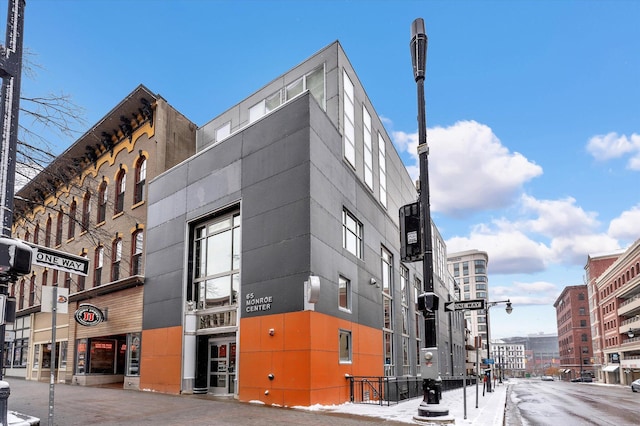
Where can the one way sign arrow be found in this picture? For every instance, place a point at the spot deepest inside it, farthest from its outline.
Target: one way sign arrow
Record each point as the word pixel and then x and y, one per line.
pixel 472 305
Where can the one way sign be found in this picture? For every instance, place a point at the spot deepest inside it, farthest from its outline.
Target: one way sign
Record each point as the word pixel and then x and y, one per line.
pixel 472 305
pixel 56 259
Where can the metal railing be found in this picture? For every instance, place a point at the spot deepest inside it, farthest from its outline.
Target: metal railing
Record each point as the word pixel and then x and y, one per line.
pixel 391 390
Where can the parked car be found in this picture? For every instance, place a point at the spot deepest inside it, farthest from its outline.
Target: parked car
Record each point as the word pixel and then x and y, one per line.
pixel 635 385
pixel 547 378
pixel 585 379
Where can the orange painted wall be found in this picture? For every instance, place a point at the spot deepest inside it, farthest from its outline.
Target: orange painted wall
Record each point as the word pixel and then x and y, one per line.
pixel 161 360
pixel 303 357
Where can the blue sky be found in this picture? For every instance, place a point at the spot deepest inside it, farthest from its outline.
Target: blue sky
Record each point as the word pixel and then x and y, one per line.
pixel 532 107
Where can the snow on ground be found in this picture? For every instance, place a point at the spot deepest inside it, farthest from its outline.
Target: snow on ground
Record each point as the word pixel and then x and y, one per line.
pixel 490 411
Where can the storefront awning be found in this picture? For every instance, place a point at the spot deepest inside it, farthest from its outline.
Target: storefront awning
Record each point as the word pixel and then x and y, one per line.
pixel 611 368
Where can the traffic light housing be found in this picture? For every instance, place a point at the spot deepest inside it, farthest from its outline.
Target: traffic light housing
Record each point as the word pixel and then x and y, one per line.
pixel 428 302
pixel 15 258
pixel 410 233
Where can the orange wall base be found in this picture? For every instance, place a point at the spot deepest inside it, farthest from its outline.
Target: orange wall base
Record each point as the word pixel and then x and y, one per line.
pixel 161 360
pixel 303 357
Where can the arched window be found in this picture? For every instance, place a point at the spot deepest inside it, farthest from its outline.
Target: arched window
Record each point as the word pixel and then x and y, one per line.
pixel 71 229
pixel 141 178
pixel 27 235
pixel 99 261
pixel 21 294
pixel 36 234
pixel 59 228
pixel 136 252
pixel 86 210
pixel 102 202
pixel 121 183
pixel 47 233
pixel 116 257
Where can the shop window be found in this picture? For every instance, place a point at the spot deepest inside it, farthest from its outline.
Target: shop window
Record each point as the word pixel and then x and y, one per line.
pixel 133 354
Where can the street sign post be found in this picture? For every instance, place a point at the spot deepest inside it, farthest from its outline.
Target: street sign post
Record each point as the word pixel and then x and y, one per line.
pixel 472 305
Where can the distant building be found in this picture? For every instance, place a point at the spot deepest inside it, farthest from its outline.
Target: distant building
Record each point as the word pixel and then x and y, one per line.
pixel 469 269
pixel 596 265
pixel 541 351
pixel 510 358
pixel 574 332
pixel 617 292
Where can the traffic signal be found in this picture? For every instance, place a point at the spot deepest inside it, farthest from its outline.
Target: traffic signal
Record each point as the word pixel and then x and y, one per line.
pixel 15 258
pixel 428 302
pixel 410 233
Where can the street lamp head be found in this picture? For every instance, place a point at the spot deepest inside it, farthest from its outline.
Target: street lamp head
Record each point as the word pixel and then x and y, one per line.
pixel 509 308
pixel 418 49
pixel 630 334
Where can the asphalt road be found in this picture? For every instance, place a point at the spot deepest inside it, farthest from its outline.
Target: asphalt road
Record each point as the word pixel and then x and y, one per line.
pixel 534 402
pixel 79 405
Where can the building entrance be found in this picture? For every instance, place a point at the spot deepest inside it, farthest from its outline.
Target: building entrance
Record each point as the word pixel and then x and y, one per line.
pixel 222 366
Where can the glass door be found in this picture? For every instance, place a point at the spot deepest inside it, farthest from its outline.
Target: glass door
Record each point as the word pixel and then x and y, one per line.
pixel 222 366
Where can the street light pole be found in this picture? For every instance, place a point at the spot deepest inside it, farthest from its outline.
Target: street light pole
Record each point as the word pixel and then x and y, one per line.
pixel 509 309
pixel 431 381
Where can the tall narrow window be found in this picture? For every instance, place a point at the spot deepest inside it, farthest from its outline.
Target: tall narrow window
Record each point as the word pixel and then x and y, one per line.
pixel 102 202
pixel 81 278
pixel 71 228
pixel 349 120
pixel 382 170
pixel 36 234
pixel 141 179
pixel 99 261
pixel 67 280
pixel 116 257
pixel 217 262
pixel 59 228
pixel 368 150
pixel 47 233
pixel 387 306
pixel 136 252
pixel 121 185
pixel 86 210
pixel 344 294
pixel 32 287
pixel 351 234
pixel 345 354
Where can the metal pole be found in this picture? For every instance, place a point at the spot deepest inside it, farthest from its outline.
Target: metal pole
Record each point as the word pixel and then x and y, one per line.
pixel 431 386
pixel 477 372
pixel 10 71
pixel 488 347
pixel 52 363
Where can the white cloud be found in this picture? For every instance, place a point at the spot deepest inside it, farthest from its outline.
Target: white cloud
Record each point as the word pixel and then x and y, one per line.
pixel 509 251
pixel 627 225
pixel 527 293
pixel 557 217
pixel 469 168
pixel 575 249
pixel 612 145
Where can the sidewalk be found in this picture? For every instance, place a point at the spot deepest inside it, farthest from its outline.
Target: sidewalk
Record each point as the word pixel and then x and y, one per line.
pixel 77 405
pixel 490 411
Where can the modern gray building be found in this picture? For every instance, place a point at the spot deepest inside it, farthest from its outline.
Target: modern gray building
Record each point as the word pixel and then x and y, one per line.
pixel 273 267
